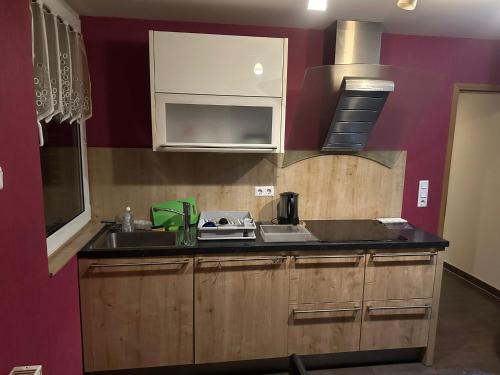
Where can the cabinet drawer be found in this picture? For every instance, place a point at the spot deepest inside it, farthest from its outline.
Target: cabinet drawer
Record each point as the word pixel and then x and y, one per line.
pixel 326 277
pixel 395 324
pixel 136 312
pixel 399 274
pixel 240 307
pixel 324 328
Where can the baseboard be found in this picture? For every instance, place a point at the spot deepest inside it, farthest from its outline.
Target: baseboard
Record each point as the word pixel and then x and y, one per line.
pixel 278 365
pixel 473 280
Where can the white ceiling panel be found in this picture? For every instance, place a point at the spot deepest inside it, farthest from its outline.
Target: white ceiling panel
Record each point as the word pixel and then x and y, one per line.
pixel 459 18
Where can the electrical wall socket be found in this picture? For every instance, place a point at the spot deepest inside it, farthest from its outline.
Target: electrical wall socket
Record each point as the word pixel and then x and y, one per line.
pixel 264 191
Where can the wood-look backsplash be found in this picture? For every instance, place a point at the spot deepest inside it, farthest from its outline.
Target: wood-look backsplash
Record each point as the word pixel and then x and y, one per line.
pixel 330 187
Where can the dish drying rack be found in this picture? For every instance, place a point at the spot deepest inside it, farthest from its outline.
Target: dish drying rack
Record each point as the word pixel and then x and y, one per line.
pixel 240 226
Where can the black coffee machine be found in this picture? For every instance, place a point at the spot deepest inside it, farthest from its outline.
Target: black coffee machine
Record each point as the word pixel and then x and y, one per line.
pixel 288 208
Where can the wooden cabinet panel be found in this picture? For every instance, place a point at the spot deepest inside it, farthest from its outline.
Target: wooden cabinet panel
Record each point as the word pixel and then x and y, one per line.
pixel 136 312
pixel 399 274
pixel 324 328
pixel 395 324
pixel 241 307
pixel 326 277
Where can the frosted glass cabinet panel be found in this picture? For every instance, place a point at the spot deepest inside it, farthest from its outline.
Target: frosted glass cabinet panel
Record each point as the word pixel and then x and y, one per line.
pixel 207 122
pixel 218 64
pixel 191 123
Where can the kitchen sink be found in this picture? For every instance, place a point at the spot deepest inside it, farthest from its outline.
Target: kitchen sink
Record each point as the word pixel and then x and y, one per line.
pixel 135 240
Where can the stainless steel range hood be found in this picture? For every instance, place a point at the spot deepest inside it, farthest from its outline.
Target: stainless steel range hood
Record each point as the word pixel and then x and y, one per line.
pixel 358 93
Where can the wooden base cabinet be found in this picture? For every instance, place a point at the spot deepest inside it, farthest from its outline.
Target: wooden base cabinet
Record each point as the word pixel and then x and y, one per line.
pixel 161 311
pixel 324 328
pixel 240 308
pixel 136 312
pixel 395 324
pixel 399 286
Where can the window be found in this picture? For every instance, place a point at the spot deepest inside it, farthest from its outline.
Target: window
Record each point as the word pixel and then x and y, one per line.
pixel 62 92
pixel 65 182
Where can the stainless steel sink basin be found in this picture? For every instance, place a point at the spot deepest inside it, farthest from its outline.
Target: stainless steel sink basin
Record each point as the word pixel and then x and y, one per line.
pixel 135 240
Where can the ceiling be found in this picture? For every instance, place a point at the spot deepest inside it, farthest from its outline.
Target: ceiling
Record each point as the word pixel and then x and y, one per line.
pixel 459 18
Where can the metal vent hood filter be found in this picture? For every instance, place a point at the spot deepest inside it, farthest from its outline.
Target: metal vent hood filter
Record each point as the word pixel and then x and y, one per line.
pixel 360 102
pixel 360 98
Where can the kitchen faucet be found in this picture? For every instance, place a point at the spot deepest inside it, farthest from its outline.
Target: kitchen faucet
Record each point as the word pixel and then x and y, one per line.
pixel 186 215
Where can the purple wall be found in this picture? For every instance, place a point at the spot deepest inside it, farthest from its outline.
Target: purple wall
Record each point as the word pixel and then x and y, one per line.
pixel 460 61
pixel 39 316
pixel 118 58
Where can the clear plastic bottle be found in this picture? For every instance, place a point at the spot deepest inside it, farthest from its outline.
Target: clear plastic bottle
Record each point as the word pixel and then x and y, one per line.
pixel 128 220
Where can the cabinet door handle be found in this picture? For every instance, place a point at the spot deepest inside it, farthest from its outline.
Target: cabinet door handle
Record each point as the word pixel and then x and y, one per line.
pixel 274 260
pixel 355 256
pixel 392 255
pixel 111 265
pixel 317 311
pixel 374 308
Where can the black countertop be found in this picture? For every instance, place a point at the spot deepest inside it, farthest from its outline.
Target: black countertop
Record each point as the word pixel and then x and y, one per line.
pixel 332 235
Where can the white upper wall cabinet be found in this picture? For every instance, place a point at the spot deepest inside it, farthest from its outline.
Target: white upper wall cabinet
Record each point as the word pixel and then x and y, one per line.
pixel 219 93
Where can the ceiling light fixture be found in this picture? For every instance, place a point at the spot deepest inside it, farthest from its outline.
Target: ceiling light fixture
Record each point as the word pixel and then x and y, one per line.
pixel 317 5
pixel 407 4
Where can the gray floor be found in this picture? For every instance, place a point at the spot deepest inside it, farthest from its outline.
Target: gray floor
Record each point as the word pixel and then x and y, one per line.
pixel 468 336
pixel 468 333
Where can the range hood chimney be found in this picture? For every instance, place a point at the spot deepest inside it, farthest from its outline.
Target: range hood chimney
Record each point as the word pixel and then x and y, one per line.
pixel 359 99
pixel 357 42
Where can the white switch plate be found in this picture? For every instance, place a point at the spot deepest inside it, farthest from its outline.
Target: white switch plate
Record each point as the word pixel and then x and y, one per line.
pixel 423 193
pixel 1 178
pixel 264 191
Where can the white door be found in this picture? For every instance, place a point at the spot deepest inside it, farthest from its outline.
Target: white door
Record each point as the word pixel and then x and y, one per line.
pixel 472 221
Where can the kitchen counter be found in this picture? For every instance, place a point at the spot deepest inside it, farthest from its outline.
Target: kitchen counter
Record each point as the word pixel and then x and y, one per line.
pixel 332 235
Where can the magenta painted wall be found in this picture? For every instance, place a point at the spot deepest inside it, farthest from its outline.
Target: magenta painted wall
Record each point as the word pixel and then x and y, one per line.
pixel 461 61
pixel 39 316
pixel 118 57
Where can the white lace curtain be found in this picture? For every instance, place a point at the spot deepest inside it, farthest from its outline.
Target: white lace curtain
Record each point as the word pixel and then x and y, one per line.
pixel 61 75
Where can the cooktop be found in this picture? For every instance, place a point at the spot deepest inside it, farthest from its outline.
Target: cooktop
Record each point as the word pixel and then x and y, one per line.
pixel 352 230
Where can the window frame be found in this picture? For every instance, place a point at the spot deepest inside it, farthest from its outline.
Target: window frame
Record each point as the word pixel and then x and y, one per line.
pixel 71 228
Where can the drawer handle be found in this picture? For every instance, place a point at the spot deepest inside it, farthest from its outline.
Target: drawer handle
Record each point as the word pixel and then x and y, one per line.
pixel 373 308
pixel 274 260
pixel 97 265
pixel 295 312
pixel 391 255
pixel 256 146
pixel 356 256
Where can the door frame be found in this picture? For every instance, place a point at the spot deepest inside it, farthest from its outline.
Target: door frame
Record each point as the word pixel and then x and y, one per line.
pixel 458 88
